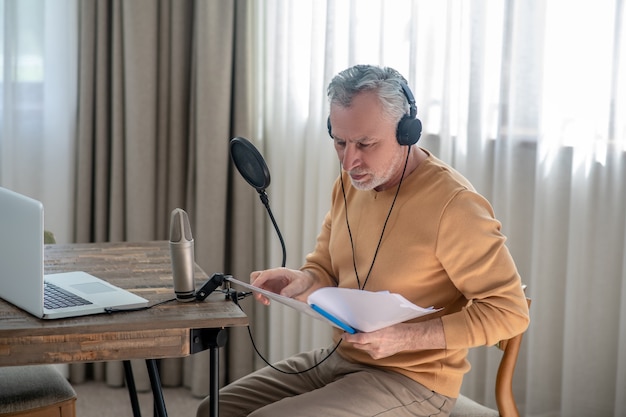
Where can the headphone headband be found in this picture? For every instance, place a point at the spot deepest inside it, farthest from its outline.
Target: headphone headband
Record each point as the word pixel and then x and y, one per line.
pixel 409 127
pixel 409 97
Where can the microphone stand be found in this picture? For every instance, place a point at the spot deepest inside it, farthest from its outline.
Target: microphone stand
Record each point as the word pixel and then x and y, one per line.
pixel 266 202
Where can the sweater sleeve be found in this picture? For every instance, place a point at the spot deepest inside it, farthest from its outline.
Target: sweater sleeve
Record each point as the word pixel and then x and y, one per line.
pixel 472 249
pixel 319 261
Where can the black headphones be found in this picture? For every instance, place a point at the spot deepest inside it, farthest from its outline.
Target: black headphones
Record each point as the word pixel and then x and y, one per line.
pixel 409 127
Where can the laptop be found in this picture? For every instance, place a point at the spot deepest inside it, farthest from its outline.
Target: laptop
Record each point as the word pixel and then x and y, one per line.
pixel 22 279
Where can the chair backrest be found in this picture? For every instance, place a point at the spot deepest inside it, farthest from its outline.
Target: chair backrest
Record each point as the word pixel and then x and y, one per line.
pixel 504 378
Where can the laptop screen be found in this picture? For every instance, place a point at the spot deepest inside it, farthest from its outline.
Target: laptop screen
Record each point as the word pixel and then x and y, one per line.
pixel 21 251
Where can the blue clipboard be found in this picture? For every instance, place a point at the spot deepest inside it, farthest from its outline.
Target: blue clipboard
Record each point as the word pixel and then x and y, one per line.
pixel 334 319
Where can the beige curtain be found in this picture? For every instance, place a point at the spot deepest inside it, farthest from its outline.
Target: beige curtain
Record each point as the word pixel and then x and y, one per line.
pixel 163 86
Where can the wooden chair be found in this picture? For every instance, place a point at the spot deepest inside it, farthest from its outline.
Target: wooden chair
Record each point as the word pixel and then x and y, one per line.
pixel 466 407
pixel 36 390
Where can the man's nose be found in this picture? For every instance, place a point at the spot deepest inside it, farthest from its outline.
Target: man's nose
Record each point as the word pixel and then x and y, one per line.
pixel 350 158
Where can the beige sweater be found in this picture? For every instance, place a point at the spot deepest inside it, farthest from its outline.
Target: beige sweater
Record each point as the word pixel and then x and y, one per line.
pixel 442 247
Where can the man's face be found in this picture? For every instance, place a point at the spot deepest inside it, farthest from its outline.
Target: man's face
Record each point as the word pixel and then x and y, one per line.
pixel 365 141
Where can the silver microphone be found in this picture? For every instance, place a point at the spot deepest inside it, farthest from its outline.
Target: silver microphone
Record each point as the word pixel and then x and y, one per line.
pixel 181 251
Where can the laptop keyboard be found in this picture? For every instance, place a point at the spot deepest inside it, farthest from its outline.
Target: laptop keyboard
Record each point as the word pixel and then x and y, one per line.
pixel 55 297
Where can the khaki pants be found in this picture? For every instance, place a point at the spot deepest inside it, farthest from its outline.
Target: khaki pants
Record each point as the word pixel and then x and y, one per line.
pixel 334 388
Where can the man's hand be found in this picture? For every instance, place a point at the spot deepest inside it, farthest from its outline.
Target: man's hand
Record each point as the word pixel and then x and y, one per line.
pixel 399 338
pixel 287 282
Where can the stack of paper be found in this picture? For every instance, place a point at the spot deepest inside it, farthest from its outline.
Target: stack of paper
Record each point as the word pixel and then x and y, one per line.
pixel 351 309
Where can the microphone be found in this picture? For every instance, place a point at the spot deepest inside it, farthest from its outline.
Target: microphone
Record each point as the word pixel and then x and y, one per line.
pixel 182 254
pixel 253 169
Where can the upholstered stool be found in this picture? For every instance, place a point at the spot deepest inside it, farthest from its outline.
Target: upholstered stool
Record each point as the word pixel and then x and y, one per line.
pixel 35 391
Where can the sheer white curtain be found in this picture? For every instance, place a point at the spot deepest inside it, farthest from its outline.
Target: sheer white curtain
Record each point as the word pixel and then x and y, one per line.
pixel 299 153
pixel 528 100
pixel 38 49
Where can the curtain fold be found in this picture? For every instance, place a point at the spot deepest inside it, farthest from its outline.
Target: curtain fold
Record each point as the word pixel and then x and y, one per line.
pixel 159 84
pixel 38 105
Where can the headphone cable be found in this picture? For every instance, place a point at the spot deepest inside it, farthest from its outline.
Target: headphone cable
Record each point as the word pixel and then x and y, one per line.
pixel 380 240
pixel 235 298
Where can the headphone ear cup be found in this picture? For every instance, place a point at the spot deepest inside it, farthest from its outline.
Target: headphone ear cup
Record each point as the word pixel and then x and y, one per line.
pixel 408 131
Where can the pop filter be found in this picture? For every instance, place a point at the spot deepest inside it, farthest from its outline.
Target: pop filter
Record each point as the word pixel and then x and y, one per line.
pixel 253 169
pixel 250 163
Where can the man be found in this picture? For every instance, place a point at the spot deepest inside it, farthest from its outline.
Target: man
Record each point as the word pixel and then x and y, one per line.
pixel 402 221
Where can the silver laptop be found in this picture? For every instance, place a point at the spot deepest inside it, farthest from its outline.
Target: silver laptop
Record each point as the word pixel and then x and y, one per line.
pixel 22 280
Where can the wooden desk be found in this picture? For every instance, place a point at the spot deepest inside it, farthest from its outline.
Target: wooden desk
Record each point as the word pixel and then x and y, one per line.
pixel 174 329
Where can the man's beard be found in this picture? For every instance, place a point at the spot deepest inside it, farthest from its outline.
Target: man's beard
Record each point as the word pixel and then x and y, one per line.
pixel 374 180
